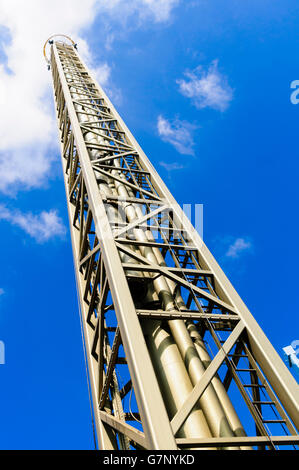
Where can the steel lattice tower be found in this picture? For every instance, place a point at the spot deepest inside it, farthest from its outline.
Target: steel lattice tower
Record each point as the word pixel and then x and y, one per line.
pixel 175 359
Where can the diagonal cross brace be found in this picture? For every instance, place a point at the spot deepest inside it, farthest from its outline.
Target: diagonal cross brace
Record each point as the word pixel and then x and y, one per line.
pixel 139 221
pixel 183 413
pixel 166 272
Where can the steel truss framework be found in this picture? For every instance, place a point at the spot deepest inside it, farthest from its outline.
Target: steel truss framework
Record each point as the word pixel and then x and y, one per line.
pixel 175 358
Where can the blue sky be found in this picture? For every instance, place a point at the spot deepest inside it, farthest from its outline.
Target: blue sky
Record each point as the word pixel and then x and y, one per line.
pixel 205 88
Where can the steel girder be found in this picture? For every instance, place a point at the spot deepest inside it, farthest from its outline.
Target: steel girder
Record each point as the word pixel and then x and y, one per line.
pixel 153 299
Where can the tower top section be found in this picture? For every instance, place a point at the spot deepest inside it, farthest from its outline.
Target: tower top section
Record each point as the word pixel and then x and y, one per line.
pixel 57 37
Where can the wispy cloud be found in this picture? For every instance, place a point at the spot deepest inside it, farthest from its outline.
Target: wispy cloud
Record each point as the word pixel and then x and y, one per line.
pixel 27 167
pixel 160 9
pixel 238 247
pixel 207 88
pixel 41 227
pixel 172 166
pixel 156 10
pixel 2 291
pixel 177 133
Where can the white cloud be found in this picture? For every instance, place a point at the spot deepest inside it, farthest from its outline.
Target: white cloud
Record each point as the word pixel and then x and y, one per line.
pixel 171 166
pixel 156 10
pixel 25 167
pixel 177 133
pixel 28 128
pixel 238 247
pixel 41 227
pixel 102 73
pixel 28 133
pixel 160 9
pixel 122 17
pixel 207 88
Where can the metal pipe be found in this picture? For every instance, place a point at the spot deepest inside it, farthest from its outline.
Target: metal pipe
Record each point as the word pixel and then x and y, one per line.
pixel 174 380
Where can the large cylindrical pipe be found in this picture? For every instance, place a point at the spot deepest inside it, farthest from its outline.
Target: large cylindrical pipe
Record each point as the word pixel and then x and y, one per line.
pixel 174 380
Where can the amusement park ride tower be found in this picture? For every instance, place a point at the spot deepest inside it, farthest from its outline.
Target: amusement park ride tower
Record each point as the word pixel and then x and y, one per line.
pixel 175 359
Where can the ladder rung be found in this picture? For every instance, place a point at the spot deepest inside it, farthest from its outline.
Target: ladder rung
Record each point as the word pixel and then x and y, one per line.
pixel 121 360
pixel 256 402
pixel 245 370
pixel 238 355
pixel 273 421
pixel 253 385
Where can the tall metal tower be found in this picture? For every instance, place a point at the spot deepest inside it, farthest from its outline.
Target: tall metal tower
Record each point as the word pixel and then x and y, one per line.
pixel 175 359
